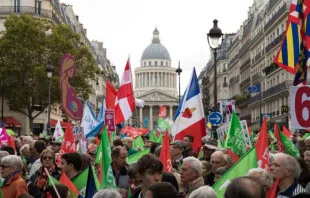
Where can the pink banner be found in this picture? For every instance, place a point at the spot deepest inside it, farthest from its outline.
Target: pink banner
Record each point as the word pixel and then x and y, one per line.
pixel 4 137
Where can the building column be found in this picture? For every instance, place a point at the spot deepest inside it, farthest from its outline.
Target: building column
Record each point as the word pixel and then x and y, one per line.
pixel 141 117
pixel 150 81
pixel 151 117
pixel 171 112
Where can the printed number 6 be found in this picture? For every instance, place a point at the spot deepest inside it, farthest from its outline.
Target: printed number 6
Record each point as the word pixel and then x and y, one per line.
pixel 300 105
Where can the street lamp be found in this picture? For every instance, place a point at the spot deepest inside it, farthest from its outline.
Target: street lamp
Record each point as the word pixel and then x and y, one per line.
pixel 49 71
pixel 179 71
pixel 215 40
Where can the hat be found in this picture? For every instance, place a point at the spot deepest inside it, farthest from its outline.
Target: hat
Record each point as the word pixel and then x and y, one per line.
pixel 210 144
pixel 178 143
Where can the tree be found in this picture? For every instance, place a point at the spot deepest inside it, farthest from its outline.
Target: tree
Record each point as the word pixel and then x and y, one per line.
pixel 26 46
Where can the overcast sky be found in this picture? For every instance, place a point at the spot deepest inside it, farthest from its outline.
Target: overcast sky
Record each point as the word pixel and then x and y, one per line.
pixel 126 26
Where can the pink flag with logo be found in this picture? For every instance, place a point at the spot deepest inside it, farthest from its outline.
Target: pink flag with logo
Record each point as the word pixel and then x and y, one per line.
pixel 4 137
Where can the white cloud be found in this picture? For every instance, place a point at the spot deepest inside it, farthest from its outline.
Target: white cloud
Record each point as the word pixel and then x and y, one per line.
pixel 126 26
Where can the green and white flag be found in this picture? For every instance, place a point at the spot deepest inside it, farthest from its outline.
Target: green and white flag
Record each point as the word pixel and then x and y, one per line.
pixel 135 157
pixel 58 133
pixel 153 137
pixel 163 124
pixel 138 143
pixel 289 146
pixel 240 169
pixel 107 173
pixel 235 139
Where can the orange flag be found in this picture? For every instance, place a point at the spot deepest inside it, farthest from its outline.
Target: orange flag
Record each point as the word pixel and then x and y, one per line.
pixel 286 132
pixel 67 182
pixel 280 146
pixel 262 147
pixel 272 193
pixel 165 155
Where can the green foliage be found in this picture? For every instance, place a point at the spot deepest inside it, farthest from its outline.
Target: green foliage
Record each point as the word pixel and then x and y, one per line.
pixel 25 48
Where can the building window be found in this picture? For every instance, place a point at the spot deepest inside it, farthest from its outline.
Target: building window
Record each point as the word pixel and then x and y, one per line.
pixel 144 64
pixel 150 63
pixel 166 64
pixel 161 63
pixel 155 63
pixel 17 6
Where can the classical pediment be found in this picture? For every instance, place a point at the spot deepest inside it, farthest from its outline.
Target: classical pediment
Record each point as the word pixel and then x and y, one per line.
pixel 156 95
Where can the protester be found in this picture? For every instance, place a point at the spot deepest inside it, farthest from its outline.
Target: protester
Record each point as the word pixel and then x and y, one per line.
pixel 86 161
pixel 304 177
pixel 18 145
pixel 161 190
pixel 218 160
pixel 48 161
pixel 188 142
pixel 177 148
pixel 119 167
pixel 208 148
pixel 117 142
pixel 135 182
pixel 50 192
pixel 243 187
pixel 219 172
pixel 203 192
pixel 287 170
pixel 107 193
pixel 150 170
pixel 128 141
pixel 27 140
pixel 264 177
pixel 206 168
pixel 191 175
pixel 71 164
pixel 25 153
pixel 3 154
pixel 13 184
pixel 36 148
pixel 56 146
pixel 8 149
pixel 307 158
pixel 153 147
pixel 307 142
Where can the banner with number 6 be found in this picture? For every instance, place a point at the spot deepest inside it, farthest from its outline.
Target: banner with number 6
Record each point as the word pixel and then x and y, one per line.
pixel 300 107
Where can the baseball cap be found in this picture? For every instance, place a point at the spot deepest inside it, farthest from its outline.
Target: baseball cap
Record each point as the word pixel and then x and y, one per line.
pixel 210 144
pixel 178 143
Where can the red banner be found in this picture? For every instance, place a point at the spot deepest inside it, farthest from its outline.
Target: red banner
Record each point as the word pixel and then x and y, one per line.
pixel 162 112
pixel 134 132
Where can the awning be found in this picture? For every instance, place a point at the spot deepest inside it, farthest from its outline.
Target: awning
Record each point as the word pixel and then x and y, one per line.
pixel 11 122
pixel 54 122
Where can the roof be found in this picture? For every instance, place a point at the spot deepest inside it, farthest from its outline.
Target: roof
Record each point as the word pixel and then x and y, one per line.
pixel 155 51
pixel 11 122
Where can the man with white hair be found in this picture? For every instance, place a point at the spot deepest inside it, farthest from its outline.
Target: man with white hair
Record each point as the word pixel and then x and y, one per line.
pixel 191 175
pixel 264 177
pixel 218 160
pixel 27 140
pixel 287 169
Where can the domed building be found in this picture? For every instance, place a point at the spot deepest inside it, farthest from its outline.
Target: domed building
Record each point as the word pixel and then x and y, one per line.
pixel 156 83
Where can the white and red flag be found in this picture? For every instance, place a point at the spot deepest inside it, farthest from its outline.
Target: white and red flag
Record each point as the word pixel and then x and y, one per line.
pixel 125 101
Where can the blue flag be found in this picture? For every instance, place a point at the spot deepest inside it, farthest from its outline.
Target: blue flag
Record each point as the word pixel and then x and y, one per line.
pixel 102 110
pixel 254 88
pixel 91 188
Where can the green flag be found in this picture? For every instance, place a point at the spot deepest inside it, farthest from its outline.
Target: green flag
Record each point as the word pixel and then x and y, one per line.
pixel 128 192
pixel 52 180
pixel 135 157
pixel 235 139
pixel 81 181
pixel 289 146
pixel 163 124
pixel 98 154
pixel 153 137
pixel 113 137
pixel 1 195
pixel 107 173
pixel 240 169
pixel 306 136
pixel 219 144
pixel 138 143
pixel 160 138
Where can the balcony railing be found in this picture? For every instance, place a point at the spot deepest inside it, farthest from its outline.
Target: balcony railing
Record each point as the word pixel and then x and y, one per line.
pixel 257 37
pixel 242 99
pixel 259 55
pixel 234 79
pixel 274 43
pixel 254 99
pixel 271 68
pixel 232 60
pixel 278 88
pixel 26 10
pixel 245 48
pixel 256 77
pixel 276 17
pixel 245 82
pixel 245 64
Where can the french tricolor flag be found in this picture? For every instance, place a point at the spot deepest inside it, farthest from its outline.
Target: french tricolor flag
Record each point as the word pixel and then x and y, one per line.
pixel 189 118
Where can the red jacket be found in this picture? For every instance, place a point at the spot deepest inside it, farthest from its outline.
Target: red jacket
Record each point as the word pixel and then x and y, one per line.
pixel 14 187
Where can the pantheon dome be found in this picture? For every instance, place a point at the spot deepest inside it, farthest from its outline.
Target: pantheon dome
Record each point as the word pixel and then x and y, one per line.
pixel 156 82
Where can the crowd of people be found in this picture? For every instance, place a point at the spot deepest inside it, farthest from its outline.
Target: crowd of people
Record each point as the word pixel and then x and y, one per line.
pixel 25 171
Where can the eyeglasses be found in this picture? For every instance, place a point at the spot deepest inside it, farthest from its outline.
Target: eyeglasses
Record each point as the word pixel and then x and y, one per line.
pixel 3 166
pixel 47 158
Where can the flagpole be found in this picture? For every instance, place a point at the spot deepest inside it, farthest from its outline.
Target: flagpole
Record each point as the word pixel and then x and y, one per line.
pixel 49 176
pixel 260 104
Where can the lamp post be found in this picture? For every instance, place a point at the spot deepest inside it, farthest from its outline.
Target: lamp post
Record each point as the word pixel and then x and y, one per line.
pixel 215 40
pixel 179 71
pixel 49 71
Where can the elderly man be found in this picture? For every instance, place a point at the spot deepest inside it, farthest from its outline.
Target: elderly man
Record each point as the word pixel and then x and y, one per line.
pixel 208 148
pixel 177 147
pixel 245 187
pixel 307 158
pixel 287 170
pixel 119 167
pixel 191 175
pixel 128 141
pixel 264 177
pixel 218 159
pixel 27 140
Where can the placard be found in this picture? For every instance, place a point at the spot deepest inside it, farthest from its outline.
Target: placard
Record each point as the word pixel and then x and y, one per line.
pixel 109 120
pixel 78 132
pixel 300 107
pixel 222 131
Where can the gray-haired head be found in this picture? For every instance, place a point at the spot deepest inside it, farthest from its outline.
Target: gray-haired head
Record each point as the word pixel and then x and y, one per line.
pixel 195 164
pixel 107 193
pixel 290 163
pixel 263 175
pixel 307 153
pixel 12 161
pixel 204 191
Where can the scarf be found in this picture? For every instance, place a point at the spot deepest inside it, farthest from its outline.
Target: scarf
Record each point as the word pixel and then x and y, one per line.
pixel 9 177
pixel 42 180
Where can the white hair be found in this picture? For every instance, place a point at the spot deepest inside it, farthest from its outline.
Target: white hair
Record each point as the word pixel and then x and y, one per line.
pixel 195 164
pixel 290 163
pixel 12 161
pixel 28 138
pixel 265 176
pixel 307 153
pixel 25 146
pixel 107 193
pixel 204 191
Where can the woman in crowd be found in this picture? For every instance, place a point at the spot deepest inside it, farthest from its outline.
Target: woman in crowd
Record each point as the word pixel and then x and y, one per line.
pixel 13 185
pixel 40 178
